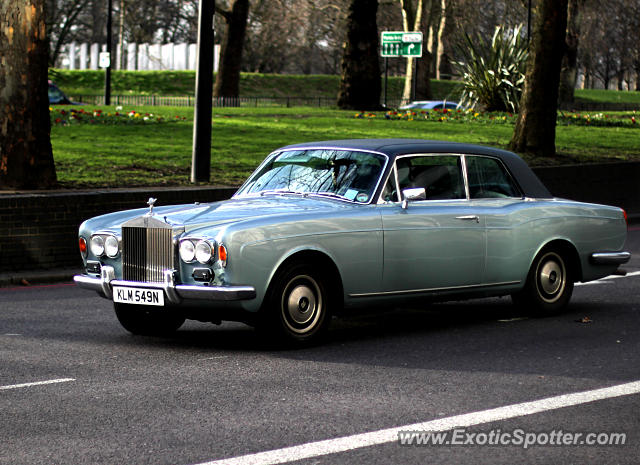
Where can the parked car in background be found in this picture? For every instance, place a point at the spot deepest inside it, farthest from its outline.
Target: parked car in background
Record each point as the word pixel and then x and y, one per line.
pixel 324 227
pixel 431 105
pixel 57 97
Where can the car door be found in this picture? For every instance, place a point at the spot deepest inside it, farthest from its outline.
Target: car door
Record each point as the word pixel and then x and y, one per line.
pixel 433 243
pixel 495 195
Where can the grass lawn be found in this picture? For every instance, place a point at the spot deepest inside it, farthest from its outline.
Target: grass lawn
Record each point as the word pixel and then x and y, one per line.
pixel 607 96
pixel 159 153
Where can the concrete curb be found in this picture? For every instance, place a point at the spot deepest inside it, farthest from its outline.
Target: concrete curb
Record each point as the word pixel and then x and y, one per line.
pixel 29 278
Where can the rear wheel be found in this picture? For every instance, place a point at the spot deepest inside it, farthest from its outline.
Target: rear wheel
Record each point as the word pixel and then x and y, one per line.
pixel 549 284
pixel 145 321
pixel 298 307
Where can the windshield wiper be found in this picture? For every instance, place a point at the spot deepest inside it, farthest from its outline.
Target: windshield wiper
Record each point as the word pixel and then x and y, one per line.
pixel 329 194
pixel 280 191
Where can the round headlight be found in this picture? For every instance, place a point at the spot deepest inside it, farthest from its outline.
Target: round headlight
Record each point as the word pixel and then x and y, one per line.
pixel 203 252
pixel 111 246
pixel 187 251
pixel 97 246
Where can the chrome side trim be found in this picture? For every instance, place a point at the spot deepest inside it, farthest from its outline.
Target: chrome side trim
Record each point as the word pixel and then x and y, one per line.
pixel 475 218
pixel 226 294
pixel 176 293
pixel 433 289
pixel 609 258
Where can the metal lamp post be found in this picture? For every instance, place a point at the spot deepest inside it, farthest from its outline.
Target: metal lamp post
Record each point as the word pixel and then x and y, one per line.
pixel 107 75
pixel 201 155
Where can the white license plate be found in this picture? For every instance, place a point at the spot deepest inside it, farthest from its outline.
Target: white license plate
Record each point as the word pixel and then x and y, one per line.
pixel 138 296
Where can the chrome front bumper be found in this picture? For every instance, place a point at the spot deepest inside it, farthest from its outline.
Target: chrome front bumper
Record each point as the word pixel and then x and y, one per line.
pixel 609 258
pixel 176 293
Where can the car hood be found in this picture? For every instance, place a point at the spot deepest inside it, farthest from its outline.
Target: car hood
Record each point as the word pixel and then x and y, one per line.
pixel 236 210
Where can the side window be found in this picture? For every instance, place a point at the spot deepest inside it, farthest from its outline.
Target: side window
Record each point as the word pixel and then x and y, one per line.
pixel 489 179
pixel 439 175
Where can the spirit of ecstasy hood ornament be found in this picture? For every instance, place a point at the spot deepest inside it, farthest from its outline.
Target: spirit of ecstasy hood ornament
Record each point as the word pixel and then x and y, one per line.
pixel 151 203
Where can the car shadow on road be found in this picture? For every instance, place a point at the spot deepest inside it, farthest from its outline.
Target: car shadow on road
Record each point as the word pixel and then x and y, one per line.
pixel 587 340
pixel 486 335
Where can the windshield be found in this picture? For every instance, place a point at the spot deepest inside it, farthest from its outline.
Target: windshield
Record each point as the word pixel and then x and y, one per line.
pixel 333 173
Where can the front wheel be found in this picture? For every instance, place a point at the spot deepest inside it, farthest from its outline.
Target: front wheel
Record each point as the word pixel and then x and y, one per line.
pixel 298 307
pixel 549 285
pixel 143 321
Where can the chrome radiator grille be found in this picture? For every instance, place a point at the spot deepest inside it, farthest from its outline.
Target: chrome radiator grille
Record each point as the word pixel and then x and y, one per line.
pixel 146 253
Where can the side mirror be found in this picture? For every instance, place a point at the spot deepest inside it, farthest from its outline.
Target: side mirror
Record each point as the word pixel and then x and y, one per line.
pixel 412 194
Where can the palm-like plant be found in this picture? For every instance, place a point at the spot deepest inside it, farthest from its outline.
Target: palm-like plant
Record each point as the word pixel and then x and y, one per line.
pixel 493 73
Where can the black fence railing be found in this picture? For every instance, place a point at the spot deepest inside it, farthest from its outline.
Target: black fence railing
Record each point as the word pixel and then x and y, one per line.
pixel 188 101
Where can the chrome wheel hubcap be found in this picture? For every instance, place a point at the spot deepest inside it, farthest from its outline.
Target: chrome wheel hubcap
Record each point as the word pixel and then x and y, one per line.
pixel 551 277
pixel 302 304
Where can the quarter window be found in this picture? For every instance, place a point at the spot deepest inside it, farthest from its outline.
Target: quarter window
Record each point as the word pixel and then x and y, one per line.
pixel 439 175
pixel 489 179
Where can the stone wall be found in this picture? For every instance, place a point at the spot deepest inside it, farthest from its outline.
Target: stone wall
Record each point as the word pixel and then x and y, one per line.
pixel 39 230
pixel 608 183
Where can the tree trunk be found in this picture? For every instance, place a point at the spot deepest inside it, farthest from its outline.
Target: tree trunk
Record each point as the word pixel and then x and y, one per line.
pixel 535 130
pixel 606 79
pixel 423 77
pixel 228 78
pixel 360 78
pixel 26 159
pixel 407 95
pixel 121 64
pixel 569 70
pixel 439 45
pixel 98 16
pixel 424 64
pixel 411 21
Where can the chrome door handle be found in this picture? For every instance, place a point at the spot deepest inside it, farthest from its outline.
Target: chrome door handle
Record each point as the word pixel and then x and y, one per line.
pixel 475 218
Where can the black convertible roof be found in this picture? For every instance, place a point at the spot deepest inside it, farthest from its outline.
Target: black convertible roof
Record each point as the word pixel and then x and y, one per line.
pixel 526 178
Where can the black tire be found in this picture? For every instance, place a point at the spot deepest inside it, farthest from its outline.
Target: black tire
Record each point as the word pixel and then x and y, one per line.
pixel 145 321
pixel 549 284
pixel 298 307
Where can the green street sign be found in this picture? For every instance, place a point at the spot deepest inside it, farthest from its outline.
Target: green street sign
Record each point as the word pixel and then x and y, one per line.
pixel 401 44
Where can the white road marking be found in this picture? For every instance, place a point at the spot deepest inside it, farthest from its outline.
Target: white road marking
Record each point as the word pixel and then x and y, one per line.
pixel 591 283
pixel 38 383
pixel 606 279
pixel 617 276
pixel 384 436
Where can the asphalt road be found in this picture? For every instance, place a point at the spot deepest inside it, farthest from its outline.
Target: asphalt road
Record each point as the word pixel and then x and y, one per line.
pixel 216 392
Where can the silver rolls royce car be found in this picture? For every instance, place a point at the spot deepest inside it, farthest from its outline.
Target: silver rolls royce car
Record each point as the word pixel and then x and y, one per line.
pixel 323 227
